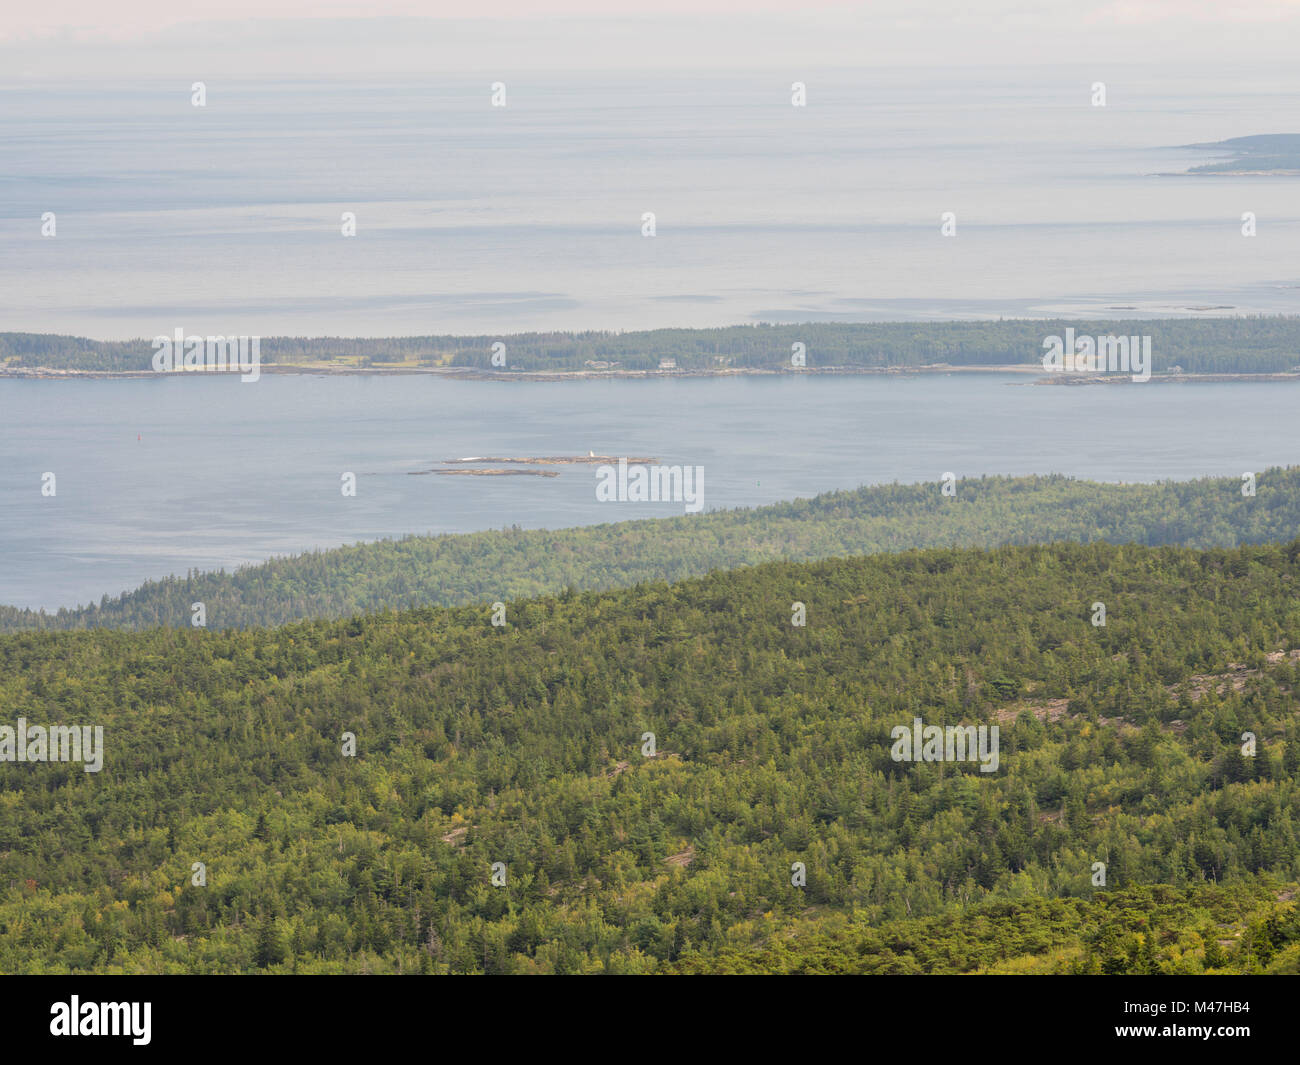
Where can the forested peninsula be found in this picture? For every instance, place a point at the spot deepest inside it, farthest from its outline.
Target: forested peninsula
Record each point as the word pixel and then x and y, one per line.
pixel 510 563
pixel 1237 345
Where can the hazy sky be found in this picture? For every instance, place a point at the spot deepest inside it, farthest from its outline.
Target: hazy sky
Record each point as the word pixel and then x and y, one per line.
pixel 62 38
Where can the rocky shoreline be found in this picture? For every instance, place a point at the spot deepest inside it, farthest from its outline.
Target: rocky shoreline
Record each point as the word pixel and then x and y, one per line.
pixel 469 373
pixel 464 373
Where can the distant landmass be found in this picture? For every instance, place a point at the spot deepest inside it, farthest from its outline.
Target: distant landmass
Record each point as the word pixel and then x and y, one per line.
pixel 1207 345
pixel 1264 153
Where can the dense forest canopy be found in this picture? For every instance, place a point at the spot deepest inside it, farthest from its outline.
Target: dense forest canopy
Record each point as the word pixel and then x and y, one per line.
pixel 513 563
pixel 1254 344
pixel 525 744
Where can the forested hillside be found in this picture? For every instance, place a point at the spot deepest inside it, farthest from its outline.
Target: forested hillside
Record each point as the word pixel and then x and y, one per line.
pixel 526 745
pixel 491 566
pixel 1141 931
pixel 1257 344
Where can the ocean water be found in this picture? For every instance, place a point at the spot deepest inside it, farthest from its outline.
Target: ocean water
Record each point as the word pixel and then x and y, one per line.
pixel 155 477
pixel 474 219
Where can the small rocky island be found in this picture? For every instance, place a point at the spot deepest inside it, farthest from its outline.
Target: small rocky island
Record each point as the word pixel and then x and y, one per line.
pixel 486 473
pixel 495 466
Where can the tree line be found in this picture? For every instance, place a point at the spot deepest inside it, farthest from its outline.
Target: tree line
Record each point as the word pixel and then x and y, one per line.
pixel 513 563
pixel 1245 344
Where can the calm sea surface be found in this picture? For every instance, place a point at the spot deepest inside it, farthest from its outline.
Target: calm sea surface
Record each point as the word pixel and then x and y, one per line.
pixel 473 219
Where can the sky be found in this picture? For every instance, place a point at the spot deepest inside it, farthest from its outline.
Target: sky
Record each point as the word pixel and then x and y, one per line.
pixel 90 38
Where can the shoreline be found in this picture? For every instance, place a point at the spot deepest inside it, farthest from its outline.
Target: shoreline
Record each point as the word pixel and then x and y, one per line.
pixel 465 373
pixel 472 373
